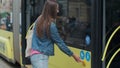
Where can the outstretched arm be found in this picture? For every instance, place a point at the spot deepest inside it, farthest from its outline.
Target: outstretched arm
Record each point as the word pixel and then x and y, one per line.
pixel 60 43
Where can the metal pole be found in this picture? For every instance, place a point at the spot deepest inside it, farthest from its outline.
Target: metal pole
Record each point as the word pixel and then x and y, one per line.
pixel 16 24
pixel 104 30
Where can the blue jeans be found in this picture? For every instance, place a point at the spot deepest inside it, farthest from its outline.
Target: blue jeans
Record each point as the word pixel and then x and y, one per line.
pixel 39 61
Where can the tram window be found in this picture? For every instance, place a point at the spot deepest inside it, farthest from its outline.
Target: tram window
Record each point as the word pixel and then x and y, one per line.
pixel 5 15
pixel 74 27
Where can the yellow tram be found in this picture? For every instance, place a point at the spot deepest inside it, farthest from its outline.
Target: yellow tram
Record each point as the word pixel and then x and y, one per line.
pixel 83 24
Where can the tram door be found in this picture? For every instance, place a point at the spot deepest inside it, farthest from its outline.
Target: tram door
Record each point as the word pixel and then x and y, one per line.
pixel 78 22
pixel 31 9
pixel 78 26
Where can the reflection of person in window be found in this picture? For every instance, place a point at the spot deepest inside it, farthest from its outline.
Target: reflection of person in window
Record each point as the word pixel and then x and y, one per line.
pixel 71 25
pixel 60 26
pixel 8 24
pixel 2 24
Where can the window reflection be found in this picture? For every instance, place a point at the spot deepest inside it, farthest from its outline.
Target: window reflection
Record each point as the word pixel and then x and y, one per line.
pixel 5 15
pixel 75 25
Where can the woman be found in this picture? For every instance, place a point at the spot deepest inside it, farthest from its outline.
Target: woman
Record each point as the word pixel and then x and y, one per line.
pixel 45 35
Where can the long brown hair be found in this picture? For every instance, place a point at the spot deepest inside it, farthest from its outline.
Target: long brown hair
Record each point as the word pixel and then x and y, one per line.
pixel 48 15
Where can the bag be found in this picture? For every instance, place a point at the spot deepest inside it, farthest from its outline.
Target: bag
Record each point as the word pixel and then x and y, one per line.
pixel 29 40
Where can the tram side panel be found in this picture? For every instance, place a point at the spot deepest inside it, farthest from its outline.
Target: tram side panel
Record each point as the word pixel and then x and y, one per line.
pixel 60 60
pixel 6 34
pixel 6 45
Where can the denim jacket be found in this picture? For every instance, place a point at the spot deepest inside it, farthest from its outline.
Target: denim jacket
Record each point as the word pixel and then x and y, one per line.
pixel 46 45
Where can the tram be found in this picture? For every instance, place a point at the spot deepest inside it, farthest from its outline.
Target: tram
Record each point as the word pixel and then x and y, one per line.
pixel 10 21
pixel 90 28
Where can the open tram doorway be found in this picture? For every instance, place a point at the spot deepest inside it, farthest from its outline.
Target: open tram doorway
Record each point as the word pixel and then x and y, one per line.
pixel 31 9
pixel 112 22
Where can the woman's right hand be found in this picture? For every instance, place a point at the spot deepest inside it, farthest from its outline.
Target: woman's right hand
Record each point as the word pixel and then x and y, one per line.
pixel 77 59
